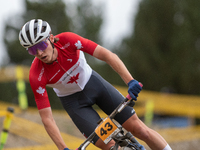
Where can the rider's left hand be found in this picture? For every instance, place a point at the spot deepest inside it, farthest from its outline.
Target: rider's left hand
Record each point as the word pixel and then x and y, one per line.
pixel 134 89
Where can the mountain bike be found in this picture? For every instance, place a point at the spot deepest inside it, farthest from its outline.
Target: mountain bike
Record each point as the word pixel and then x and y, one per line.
pixel 107 130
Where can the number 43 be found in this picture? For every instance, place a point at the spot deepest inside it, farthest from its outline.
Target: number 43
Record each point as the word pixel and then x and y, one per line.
pixel 107 127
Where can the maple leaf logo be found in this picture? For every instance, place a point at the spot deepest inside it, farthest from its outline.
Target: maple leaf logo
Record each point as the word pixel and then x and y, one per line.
pixel 78 44
pixel 40 90
pixel 74 79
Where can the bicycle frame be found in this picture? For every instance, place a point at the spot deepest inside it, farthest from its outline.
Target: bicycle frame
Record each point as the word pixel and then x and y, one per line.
pixel 108 127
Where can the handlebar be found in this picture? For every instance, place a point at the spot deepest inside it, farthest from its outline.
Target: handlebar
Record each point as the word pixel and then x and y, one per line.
pixel 86 142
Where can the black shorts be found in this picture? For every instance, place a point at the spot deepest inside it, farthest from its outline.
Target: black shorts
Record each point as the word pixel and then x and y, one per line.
pixel 97 91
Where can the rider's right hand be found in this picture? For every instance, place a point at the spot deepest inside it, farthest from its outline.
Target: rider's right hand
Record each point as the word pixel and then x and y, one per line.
pixel 138 145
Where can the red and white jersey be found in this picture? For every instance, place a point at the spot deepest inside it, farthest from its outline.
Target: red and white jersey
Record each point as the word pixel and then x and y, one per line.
pixel 68 75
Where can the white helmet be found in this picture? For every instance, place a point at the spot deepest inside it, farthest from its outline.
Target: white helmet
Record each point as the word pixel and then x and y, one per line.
pixel 34 32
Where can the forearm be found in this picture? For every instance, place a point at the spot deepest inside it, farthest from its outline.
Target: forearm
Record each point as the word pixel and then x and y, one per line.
pixel 120 68
pixel 114 61
pixel 54 133
pixel 51 127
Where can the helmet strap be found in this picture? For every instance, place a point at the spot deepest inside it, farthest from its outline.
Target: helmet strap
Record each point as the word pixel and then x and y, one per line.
pixel 53 49
pixel 51 44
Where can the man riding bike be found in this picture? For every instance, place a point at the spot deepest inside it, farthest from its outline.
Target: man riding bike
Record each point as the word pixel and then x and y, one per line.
pixel 60 63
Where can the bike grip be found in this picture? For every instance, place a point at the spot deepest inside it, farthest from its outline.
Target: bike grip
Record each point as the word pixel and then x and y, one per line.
pixel 128 96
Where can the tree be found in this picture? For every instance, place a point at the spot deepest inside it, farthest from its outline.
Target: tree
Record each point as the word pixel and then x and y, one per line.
pixel 87 22
pixel 164 48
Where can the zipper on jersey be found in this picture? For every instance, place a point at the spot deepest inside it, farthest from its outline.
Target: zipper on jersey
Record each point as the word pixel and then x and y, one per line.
pixel 72 77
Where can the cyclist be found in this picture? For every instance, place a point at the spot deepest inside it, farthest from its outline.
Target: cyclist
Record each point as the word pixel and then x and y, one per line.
pixel 60 63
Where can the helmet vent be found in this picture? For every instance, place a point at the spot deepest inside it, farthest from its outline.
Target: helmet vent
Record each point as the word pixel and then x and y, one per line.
pixel 25 45
pixel 23 38
pixel 43 29
pixel 28 33
pixel 35 32
pixel 39 38
pixel 29 37
pixel 44 26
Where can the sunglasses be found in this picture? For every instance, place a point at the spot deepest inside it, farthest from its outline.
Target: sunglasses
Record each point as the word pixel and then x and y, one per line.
pixel 39 46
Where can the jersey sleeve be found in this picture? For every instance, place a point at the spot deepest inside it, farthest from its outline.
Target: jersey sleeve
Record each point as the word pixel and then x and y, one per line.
pixel 77 42
pixel 38 85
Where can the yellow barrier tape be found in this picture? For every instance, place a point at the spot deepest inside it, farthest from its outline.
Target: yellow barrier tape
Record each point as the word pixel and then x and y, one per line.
pixel 148 117
pixel 21 87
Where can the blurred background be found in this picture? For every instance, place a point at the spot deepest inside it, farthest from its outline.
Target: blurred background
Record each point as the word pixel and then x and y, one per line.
pixel 159 42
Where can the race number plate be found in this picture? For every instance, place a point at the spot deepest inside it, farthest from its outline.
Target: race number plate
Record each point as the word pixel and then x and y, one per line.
pixel 106 129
